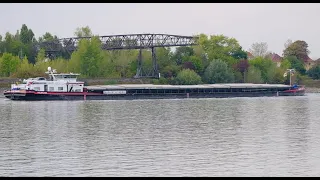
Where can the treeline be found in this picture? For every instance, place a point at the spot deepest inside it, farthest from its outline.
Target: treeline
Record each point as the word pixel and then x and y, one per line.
pixel 217 59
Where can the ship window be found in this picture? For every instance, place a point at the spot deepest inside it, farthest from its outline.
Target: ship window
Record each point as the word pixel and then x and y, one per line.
pixel 51 88
pixel 36 88
pixel 77 90
pixel 60 88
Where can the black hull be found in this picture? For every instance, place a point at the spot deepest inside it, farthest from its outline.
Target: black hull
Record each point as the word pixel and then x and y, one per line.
pixel 49 97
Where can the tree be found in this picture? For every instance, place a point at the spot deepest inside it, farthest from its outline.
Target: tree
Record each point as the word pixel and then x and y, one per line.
pixel 253 75
pixel 188 65
pixel 188 77
pixel 181 54
pixel 83 32
pixel 221 47
pixel 197 63
pixel 299 49
pixel 296 64
pixel 259 49
pixel 9 64
pixel 287 43
pixel 26 35
pixel 266 66
pixel 242 66
pixel 218 72
pixel 170 71
pixel 48 37
pixel 41 57
pixel 314 72
pixel 239 54
pixel 87 58
pixel 25 69
pixel 285 64
pixel 164 57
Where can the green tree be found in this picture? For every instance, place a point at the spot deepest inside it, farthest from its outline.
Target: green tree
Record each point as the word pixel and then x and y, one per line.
pixel 278 76
pixel 125 62
pixel 25 69
pixel 253 75
pixel 196 62
pixel 83 32
pixel 41 56
pixel 9 64
pixel 314 72
pixel 296 64
pixel 218 72
pixel 239 54
pixel 181 54
pixel 87 57
pixel 222 47
pixel 266 66
pixel 188 77
pixel 26 35
pixel 285 64
pixel 238 77
pixel 170 71
pixel 164 57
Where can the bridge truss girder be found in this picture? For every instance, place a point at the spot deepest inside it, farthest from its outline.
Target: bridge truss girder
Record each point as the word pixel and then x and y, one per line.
pixel 119 42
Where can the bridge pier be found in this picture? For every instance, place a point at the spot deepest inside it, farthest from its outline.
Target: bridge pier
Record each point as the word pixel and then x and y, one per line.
pixel 139 65
pixel 154 72
pixel 154 63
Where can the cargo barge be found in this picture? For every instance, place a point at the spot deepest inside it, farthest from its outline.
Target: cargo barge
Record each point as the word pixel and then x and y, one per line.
pixel 66 87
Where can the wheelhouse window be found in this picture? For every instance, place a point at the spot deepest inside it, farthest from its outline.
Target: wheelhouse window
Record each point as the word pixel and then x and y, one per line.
pixel 36 88
pixel 51 88
pixel 67 76
pixel 60 88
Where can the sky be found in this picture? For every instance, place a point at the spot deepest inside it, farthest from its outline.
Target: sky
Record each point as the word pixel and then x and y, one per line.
pixel 273 23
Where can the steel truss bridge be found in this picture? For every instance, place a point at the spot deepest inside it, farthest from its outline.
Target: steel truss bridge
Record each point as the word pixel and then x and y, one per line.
pixel 118 42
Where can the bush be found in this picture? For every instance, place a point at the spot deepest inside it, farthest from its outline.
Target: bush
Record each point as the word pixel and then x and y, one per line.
pixel 170 71
pixel 314 72
pixel 187 77
pixel 218 72
pixel 110 82
pixel 253 75
pixel 161 80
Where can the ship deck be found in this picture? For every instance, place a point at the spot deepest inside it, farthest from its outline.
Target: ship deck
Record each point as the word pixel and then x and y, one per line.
pixel 202 86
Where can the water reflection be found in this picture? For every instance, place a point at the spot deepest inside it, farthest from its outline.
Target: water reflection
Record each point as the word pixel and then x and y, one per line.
pixel 206 137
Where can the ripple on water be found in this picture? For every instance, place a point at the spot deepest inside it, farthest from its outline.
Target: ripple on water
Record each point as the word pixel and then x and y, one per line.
pixel 193 137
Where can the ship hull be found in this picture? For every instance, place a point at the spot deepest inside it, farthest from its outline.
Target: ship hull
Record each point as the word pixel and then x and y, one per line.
pixel 47 96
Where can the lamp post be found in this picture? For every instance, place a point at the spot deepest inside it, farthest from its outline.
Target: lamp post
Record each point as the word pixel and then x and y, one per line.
pixel 291 71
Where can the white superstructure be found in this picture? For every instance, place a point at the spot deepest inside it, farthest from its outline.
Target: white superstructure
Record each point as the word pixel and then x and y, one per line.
pixel 62 82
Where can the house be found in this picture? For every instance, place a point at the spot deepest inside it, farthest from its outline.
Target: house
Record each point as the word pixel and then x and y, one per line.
pixel 250 56
pixel 317 62
pixel 275 58
pixel 308 62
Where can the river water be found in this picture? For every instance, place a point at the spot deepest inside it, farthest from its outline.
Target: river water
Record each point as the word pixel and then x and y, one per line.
pixel 265 136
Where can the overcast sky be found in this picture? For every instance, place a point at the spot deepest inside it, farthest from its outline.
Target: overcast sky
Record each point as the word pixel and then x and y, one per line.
pixel 248 23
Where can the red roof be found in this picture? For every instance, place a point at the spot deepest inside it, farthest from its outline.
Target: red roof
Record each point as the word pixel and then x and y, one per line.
pixel 249 55
pixel 306 58
pixel 275 57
